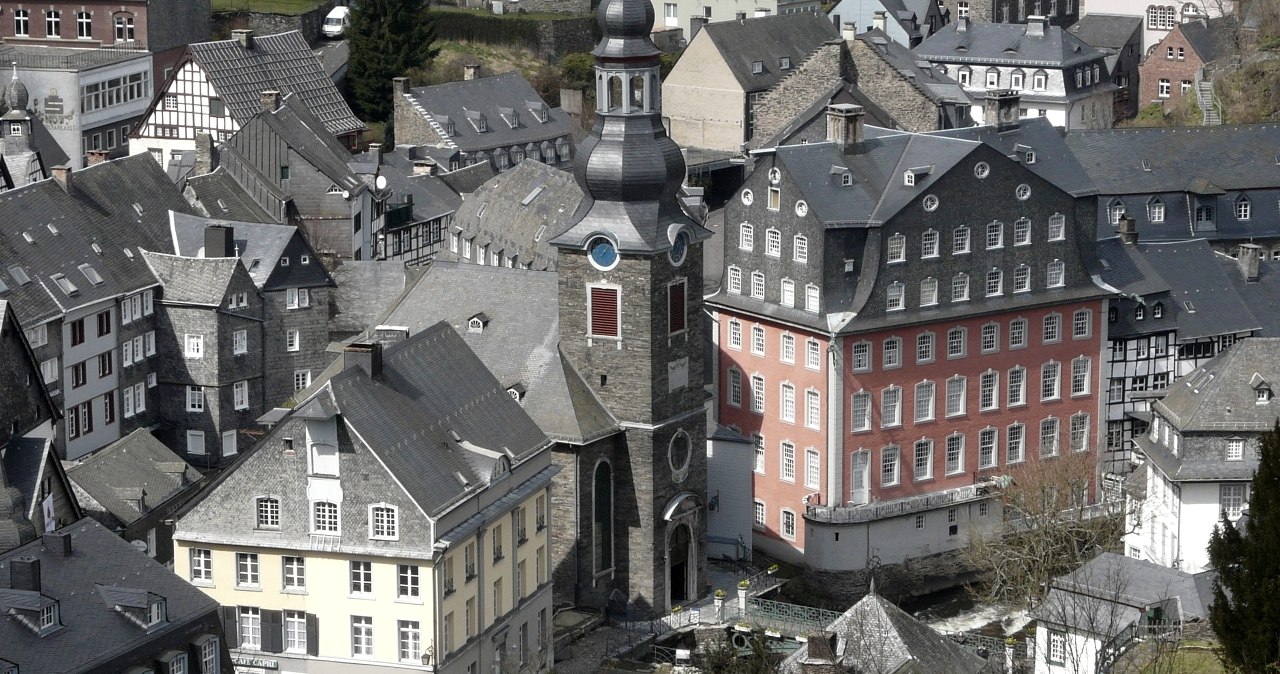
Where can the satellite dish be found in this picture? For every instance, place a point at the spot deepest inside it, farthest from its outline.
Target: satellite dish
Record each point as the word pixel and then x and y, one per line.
pixel 380 182
pixel 346 194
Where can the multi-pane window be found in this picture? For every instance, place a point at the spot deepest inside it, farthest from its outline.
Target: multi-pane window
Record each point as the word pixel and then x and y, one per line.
pixel 862 356
pixel 990 337
pixel 772 242
pixel 995 235
pixel 812 409
pixel 929 243
pixel 1050 388
pixel 1017 385
pixel 324 517
pixel 960 287
pixel 1021 232
pixel 295 632
pixel 788 407
pixel 956 343
pixel 757 284
pixel 1058 227
pixel 1017 333
pixel 813 354
pixel 892 352
pixel 293 340
pixel 757 394
pixel 1235 449
pixel 84 25
pixel 746 236
pixel 1080 376
pixel 956 396
pixel 268 513
pixel 896 298
pixel 757 340
pixel 294 572
pixel 811 298
pixel 361 636
pixel 53 23
pixel 960 240
pixel 922 462
pixel 193 346
pixel 247 569
pixel 1049 437
pixel 987 449
pixel 788 462
pixel 21 22
pixel 1015 444
pixel 201 565
pixel 897 248
pixel 788 524
pixel 382 522
pixel 361 577
pixel 735 387
pixel 988 391
pixel 924 401
pixel 1231 499
pixel 955 454
pixel 928 291
pixel 735 335
pixel 1242 209
pixel 408 581
pixel 995 283
pixel 891 407
pixel 410 641
pixel 240 395
pixel 861 411
pixel 788 293
pixel 734 282
pixel 889 466
pixel 1081 324
pixel 1052 328
pixel 1079 432
pixel 1021 279
pixel 759 514
pixel 800 248
pixel 250 628
pixel 195 398
pixel 812 469
pixel 1056 277
pixel 924 347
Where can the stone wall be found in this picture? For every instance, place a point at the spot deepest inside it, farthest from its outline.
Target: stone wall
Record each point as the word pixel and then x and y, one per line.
pixel 814 78
pixel 566 36
pixel 913 578
pixel 262 23
pixel 900 97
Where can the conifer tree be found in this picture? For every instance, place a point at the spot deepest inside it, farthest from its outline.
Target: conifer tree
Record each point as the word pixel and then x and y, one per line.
pixel 1246 597
pixel 388 37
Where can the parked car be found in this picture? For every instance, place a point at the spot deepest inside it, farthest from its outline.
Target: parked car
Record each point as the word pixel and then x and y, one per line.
pixel 336 22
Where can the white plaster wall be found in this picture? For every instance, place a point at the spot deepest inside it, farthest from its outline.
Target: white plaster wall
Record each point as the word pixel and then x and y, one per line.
pixel 729 466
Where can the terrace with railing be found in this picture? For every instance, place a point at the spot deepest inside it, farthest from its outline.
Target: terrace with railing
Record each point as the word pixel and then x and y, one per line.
pixel 63 58
pixel 903 506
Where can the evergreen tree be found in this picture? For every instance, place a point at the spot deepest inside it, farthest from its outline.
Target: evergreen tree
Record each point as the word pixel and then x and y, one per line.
pixel 388 37
pixel 1246 597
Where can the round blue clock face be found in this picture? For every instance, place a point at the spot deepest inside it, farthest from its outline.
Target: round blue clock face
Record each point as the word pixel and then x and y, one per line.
pixel 679 248
pixel 603 254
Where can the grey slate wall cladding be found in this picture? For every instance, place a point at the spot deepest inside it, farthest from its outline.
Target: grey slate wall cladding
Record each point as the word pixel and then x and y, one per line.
pixel 137 373
pixel 21 406
pixel 312 326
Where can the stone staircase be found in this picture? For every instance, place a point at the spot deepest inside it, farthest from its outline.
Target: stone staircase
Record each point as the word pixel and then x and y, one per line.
pixel 1208 103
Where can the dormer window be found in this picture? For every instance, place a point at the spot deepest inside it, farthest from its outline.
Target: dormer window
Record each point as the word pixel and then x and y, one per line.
pixel 1155 210
pixel 539 110
pixel 48 617
pixel 476 323
pixel 784 63
pixel 1263 395
pixel 846 179
pixel 517 392
pixel 1243 208
pixel 1157 311
pixel 156 612
pixel 908 178
pixel 757 67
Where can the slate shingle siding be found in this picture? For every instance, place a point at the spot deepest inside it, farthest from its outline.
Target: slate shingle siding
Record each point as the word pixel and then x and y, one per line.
pixel 899 96
pixel 22 406
pixel 812 79
pixel 312 326
pixel 137 372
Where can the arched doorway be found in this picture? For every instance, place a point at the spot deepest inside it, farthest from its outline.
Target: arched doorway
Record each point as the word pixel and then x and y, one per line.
pixel 682 568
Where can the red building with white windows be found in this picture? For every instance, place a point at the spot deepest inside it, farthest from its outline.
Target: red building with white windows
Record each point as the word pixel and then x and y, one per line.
pixel 904 320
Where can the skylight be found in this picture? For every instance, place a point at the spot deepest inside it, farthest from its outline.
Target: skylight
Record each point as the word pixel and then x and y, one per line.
pixel 128 253
pixel 19 275
pixel 3 288
pixel 91 274
pixel 96 248
pixel 26 236
pixel 65 284
pixel 532 195
pixel 53 229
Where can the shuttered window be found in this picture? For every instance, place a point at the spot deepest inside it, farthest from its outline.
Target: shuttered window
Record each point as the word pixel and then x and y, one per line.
pixel 675 306
pixel 604 312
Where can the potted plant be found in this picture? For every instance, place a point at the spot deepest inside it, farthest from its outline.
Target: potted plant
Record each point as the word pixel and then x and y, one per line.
pixel 721 594
pixel 773 568
pixel 744 584
pixel 742 627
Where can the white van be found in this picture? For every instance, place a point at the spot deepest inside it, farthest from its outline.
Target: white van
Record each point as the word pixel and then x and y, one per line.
pixel 336 23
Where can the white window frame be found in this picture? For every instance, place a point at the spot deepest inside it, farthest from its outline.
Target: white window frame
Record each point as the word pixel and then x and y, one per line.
pixel 384 522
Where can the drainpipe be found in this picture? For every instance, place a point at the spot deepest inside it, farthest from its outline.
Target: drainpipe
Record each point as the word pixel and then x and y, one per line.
pixel 835 421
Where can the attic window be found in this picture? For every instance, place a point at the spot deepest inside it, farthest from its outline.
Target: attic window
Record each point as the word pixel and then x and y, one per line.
pixel 304 259
pixel 538 109
pixel 91 274
pixel 532 195
pixel 137 208
pixel 333 189
pixel 19 275
pixel 908 178
pixel 477 323
pixel 1191 308
pixel 1263 394
pixel 156 613
pixel 846 179
pixel 1146 165
pixel 784 63
pixel 65 284
pixel 757 67
pixel 128 253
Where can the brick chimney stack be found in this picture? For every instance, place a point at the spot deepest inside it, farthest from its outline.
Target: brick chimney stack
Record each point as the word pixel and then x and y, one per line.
pixel 470 71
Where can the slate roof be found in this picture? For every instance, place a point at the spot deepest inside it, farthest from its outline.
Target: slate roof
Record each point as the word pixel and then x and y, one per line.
pixel 468 179
pixel 432 387
pixel 283 62
pixel 432 196
pixel 137 465
pixel 1055 161
pixel 811 122
pixel 1107 31
pixel 938 87
pixel 1230 157
pixel 116 206
pixel 1007 44
pixel 15 524
pixel 1261 296
pixel 261 246
pixel 768 39
pixel 491 96
pixel 365 288
pixel 520 344
pixel 304 133
pixel 1220 395
pixel 193 280
pixel 1112 590
pixel 92 631
pixel 24 460
pixel 1209 38
pixel 519 211
pixel 874 635
pixel 218 195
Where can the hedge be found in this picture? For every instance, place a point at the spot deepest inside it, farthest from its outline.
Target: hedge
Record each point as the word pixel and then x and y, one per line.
pixel 458 25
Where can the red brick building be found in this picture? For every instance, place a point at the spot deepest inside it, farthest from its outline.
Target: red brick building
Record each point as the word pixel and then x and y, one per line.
pixel 904 319
pixel 1173 66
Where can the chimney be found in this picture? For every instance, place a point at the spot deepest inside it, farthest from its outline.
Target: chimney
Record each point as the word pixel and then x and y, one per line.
pixel 59 543
pixel 849 31
pixel 243 37
pixel 376 150
pixel 740 16
pixel 219 241
pixel 24 573
pixel 877 20
pixel 270 100
pixel 1001 109
pixel 695 26
pixel 1036 26
pixel 1127 231
pixel 844 125
pixel 400 85
pixel 470 71
pixel 94 157
pixel 424 167
pixel 204 155
pixel 1250 256
pixel 62 175
pixel 365 355
pixel 962 24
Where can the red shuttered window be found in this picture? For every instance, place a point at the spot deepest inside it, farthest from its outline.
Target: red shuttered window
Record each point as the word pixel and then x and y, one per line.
pixel 604 312
pixel 675 306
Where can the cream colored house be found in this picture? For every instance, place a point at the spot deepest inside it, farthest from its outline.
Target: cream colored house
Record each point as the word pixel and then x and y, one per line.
pixel 395 520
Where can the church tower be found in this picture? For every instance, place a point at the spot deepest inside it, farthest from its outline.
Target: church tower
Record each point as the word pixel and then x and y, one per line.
pixel 632 325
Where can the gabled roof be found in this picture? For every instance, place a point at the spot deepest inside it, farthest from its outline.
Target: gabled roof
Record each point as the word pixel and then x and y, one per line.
pixel 15 524
pixel 432 196
pixel 520 344
pixel 1107 31
pixel 365 288
pixel 218 195
pixel 294 124
pixel 1219 395
pixel 28 461
pixel 1151 160
pixel 433 403
pixel 1111 591
pixel 283 62
pixel 132 476
pixel 92 632
pixel 1054 160
pixel 1209 37
pixel 768 39
pixel 113 207
pixel 193 280
pixel 1205 299
pixel 261 246
pixel 494 99
pixel 1261 296
pixel 519 211
pixel 1005 43
pixel 937 86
